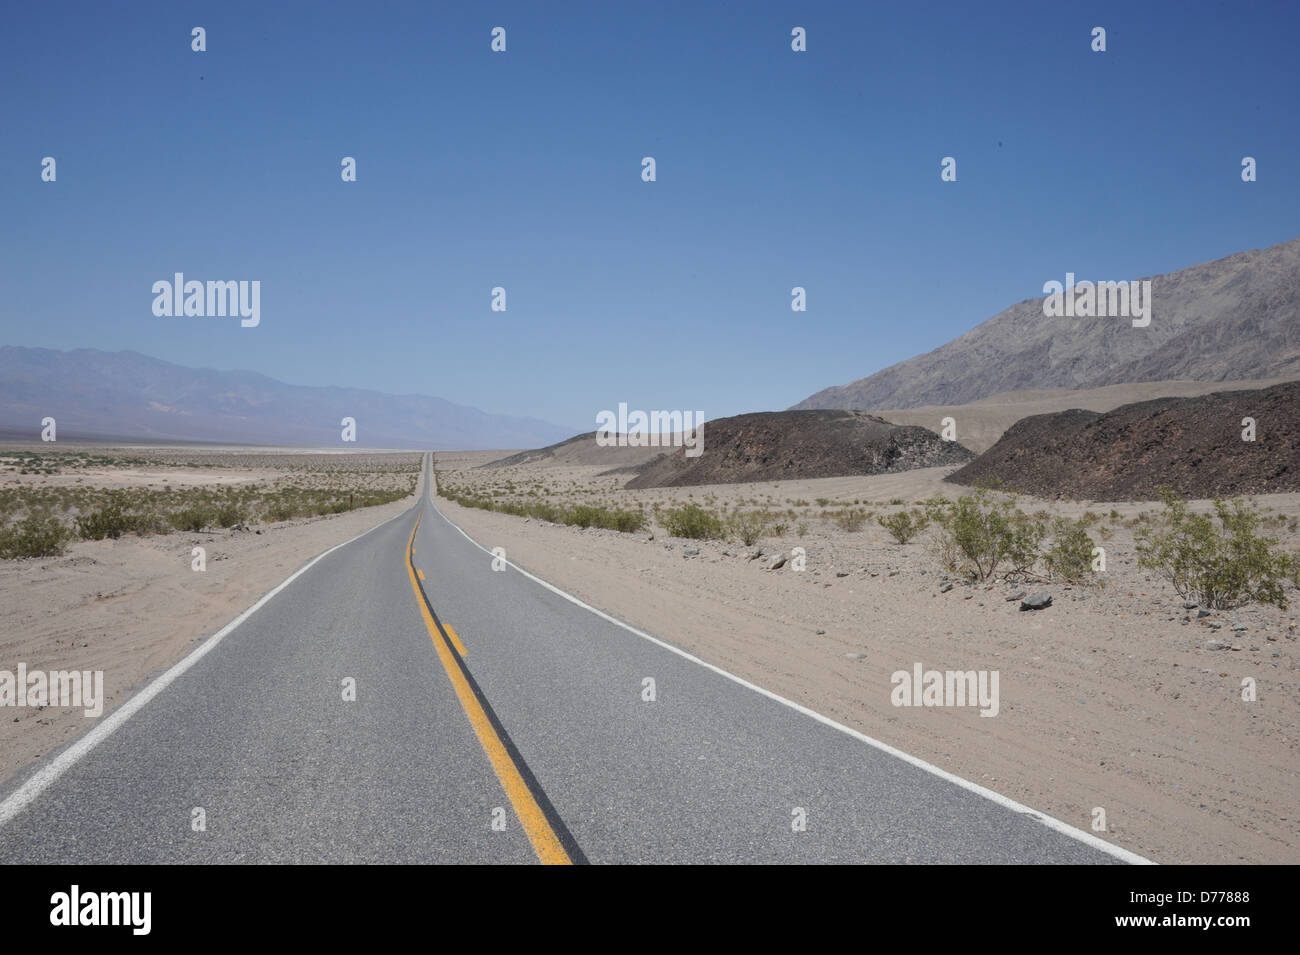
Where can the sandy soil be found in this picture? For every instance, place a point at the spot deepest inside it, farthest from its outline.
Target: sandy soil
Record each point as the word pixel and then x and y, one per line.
pixel 1108 699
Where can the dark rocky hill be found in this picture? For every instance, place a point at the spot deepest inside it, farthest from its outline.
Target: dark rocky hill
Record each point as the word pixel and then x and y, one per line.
pixel 1193 445
pixel 785 445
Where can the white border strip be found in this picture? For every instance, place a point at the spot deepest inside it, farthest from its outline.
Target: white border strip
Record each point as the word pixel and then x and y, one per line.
pixel 1006 802
pixel 41 780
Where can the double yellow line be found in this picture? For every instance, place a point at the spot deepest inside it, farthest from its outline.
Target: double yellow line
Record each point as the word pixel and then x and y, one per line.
pixel 537 827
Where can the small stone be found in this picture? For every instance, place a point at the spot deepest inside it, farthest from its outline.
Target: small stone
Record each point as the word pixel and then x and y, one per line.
pixel 1215 645
pixel 841 573
pixel 1038 601
pixel 1018 595
pixel 820 632
pixel 856 656
pixel 945 588
pixel 690 552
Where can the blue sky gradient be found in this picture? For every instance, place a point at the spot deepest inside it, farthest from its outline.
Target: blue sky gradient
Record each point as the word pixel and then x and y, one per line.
pixel 522 170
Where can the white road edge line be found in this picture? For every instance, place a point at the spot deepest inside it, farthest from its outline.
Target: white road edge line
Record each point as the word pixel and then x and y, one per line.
pixel 41 780
pixel 1006 802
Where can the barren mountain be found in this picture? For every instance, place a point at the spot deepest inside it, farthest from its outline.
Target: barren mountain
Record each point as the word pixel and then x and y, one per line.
pixel 124 394
pixel 783 445
pixel 581 449
pixel 1233 318
pixel 1193 445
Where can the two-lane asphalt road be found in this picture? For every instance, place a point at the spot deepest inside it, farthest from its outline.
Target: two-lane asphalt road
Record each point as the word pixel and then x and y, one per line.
pixel 526 735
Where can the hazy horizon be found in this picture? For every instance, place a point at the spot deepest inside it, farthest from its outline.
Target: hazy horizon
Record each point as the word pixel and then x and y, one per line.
pixel 522 170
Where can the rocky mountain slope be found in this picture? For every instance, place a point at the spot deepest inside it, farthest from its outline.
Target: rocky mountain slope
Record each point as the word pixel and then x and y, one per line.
pixel 1233 318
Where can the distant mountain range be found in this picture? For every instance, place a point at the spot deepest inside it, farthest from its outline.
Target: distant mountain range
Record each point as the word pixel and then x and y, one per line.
pixel 1230 319
pixel 124 394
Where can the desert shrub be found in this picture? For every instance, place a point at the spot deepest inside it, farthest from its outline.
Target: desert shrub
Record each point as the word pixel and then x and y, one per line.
pixel 1221 567
pixel 192 519
pixel 107 520
pixel 750 526
pixel 614 519
pixel 978 534
pixel 849 519
pixel 904 525
pixel 37 535
pixel 693 521
pixel 1070 556
pixel 228 514
pixel 279 511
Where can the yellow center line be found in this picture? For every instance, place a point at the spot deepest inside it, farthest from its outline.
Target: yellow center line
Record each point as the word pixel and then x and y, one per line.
pixel 545 842
pixel 460 647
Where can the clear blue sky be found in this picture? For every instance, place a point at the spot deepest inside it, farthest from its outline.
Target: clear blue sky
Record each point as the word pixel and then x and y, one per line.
pixel 522 170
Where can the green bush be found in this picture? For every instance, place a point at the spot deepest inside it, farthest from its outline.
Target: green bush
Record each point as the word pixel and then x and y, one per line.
pixel 904 525
pixel 280 511
pixel 693 521
pixel 1220 567
pixel 37 535
pixel 586 515
pixel 849 519
pixel 108 520
pixel 228 514
pixel 1070 556
pixel 978 534
pixel 193 519
pixel 750 526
